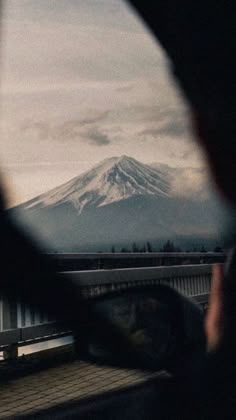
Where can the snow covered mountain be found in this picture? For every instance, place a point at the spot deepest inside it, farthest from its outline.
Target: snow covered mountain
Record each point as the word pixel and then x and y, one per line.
pixel 112 180
pixel 118 202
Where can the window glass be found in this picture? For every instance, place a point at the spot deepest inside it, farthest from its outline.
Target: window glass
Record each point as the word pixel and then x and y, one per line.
pixel 97 155
pixel 97 146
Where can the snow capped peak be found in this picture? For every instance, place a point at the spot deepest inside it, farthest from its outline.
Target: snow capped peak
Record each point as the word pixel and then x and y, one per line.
pixel 112 180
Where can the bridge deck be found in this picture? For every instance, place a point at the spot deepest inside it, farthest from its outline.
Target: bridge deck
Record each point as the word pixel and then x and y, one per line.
pixel 60 385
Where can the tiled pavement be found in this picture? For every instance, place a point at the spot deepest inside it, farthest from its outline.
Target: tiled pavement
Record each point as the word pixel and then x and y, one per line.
pixel 57 385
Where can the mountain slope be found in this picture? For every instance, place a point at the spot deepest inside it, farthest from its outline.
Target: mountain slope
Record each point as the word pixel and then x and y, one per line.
pixel 112 180
pixel 118 202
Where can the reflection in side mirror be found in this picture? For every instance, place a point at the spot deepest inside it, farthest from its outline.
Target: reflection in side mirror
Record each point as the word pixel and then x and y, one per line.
pixel 154 328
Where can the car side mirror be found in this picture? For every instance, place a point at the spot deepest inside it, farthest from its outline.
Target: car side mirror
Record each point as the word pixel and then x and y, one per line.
pixel 153 327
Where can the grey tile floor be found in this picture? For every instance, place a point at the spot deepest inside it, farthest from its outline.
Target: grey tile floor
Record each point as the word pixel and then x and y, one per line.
pixel 67 382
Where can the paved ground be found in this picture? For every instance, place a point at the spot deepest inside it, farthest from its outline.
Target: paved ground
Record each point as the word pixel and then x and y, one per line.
pixel 70 381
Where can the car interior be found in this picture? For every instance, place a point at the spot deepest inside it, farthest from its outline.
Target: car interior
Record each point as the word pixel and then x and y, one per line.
pixel 75 344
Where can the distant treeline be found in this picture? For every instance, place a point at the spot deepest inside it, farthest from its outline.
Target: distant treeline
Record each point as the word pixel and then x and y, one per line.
pixel 148 246
pixel 168 246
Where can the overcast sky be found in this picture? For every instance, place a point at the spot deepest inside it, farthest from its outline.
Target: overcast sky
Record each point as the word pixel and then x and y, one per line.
pixel 83 80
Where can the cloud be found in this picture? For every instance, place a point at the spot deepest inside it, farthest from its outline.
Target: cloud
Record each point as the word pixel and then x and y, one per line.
pixel 169 122
pixel 38 129
pixel 71 130
pixel 97 137
pixel 124 89
pixel 94 119
pixel 187 154
pixel 190 182
pixel 150 132
pixel 174 128
pixel 91 41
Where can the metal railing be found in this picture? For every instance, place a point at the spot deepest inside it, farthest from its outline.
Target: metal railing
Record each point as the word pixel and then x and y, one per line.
pixel 21 325
pixel 191 280
pixel 106 260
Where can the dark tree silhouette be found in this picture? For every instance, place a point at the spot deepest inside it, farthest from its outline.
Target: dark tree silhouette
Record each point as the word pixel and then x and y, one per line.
pixel 168 247
pixel 124 250
pixel 149 247
pixel 218 249
pixel 143 249
pixel 135 248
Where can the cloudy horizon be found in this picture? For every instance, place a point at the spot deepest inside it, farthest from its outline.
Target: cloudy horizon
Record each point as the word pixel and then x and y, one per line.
pixel 81 82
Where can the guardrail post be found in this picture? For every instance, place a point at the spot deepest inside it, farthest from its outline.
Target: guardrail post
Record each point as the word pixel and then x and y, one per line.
pixel 9 314
pixel 11 352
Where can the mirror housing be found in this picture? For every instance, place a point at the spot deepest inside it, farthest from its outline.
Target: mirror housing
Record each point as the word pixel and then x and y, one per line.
pixel 153 327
